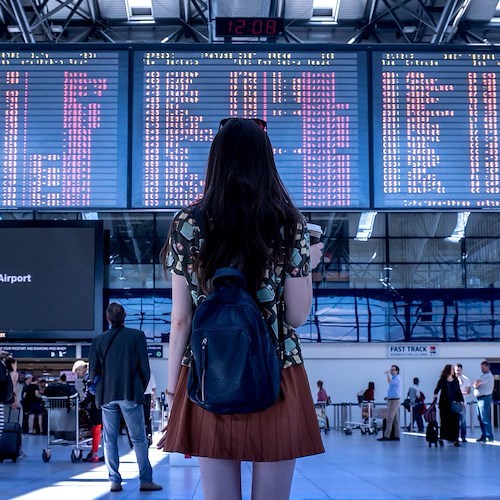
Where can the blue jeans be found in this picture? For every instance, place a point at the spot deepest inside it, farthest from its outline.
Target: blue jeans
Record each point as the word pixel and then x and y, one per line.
pixel 484 415
pixel 133 414
pixel 462 418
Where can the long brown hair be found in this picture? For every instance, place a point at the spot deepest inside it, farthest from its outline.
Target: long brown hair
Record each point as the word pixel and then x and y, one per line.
pixel 249 218
pixel 447 370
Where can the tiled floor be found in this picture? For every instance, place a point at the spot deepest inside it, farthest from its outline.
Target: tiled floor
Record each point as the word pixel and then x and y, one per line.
pixel 354 467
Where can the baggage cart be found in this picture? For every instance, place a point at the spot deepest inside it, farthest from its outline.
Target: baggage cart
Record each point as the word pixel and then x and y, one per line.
pixel 67 425
pixel 368 422
pixel 322 417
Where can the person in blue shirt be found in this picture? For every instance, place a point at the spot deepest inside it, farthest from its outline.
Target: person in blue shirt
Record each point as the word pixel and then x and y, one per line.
pixel 393 402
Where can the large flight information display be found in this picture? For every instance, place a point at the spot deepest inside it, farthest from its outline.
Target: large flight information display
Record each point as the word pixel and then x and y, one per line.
pixel 314 103
pixel 63 117
pixel 436 129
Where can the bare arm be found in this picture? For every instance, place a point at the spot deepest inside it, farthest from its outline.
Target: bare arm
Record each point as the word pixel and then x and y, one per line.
pixel 298 299
pixel 298 292
pixel 182 314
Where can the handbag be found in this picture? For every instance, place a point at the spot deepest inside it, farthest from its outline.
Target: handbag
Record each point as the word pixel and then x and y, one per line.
pixel 456 406
pixel 407 404
pixel 92 387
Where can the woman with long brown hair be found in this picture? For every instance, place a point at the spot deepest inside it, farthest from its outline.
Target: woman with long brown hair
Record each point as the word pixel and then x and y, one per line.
pixel 449 391
pixel 248 222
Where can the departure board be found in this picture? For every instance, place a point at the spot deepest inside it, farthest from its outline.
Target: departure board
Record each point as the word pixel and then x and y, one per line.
pixel 436 129
pixel 63 116
pixel 314 103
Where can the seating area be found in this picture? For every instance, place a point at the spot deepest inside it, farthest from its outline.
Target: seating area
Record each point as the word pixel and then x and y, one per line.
pixel 354 466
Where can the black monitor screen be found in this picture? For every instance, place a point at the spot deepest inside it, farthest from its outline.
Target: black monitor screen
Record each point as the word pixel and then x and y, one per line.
pixel 436 129
pixel 51 279
pixel 314 102
pixel 63 121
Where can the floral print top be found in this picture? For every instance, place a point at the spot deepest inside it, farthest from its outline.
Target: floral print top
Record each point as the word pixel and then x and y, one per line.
pixel 184 243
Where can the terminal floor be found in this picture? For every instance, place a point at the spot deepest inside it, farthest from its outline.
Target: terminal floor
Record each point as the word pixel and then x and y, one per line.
pixel 353 467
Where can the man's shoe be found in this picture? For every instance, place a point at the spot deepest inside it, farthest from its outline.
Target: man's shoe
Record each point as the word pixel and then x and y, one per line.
pixel 464 440
pixel 116 487
pixel 481 440
pixel 491 439
pixel 383 439
pixel 150 487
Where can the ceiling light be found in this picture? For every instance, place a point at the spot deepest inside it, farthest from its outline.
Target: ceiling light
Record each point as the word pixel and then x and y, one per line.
pixel 365 226
pixel 325 10
pixel 459 231
pixel 139 10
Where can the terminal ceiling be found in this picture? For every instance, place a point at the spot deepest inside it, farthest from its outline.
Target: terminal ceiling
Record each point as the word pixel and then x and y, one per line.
pixel 306 21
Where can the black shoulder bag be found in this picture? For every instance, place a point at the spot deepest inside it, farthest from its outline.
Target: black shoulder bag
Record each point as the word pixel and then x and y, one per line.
pixel 98 376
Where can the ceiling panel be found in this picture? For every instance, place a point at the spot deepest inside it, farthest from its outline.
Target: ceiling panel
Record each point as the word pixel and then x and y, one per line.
pixel 113 9
pixel 243 8
pixel 351 9
pixel 298 9
pixel 167 9
pixel 482 10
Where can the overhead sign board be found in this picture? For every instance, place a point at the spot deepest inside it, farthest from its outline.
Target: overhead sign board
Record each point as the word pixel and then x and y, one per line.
pixel 412 351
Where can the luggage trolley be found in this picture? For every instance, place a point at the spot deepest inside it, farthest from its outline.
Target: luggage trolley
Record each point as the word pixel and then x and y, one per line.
pixel 64 416
pixel 322 417
pixel 368 424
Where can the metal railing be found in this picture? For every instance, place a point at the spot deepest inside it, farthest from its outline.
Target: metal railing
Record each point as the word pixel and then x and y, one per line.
pixel 340 413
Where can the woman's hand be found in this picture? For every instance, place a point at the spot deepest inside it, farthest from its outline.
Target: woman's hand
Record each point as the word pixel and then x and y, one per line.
pixel 316 254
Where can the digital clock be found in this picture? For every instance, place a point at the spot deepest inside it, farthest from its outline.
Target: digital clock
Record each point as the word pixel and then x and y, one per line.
pixel 248 26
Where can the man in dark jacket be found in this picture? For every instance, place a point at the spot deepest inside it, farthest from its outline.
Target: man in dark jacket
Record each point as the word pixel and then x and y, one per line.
pixel 119 358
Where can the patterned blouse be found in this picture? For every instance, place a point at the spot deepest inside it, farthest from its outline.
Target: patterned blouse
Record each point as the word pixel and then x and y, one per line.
pixel 184 243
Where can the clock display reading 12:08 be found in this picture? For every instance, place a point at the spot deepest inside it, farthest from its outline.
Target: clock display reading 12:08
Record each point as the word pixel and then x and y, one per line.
pixel 248 26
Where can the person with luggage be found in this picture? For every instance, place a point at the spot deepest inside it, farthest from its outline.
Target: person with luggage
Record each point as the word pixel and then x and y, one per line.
pixel 322 396
pixel 10 411
pixel 466 390
pixel 87 403
pixel 246 221
pixel 450 400
pixel 393 398
pixel 417 398
pixel 15 406
pixel 483 390
pixel 369 394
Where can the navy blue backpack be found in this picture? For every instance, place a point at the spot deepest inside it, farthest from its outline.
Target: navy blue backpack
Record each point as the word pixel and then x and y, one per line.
pixel 235 366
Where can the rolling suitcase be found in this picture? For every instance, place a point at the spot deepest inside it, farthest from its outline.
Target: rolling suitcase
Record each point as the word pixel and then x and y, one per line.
pixel 10 440
pixel 432 433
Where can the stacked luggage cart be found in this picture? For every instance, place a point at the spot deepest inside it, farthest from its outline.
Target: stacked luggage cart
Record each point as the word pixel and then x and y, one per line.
pixel 68 425
pixel 372 417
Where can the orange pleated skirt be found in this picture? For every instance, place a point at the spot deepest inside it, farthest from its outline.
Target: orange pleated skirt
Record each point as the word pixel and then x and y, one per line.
pixel 287 430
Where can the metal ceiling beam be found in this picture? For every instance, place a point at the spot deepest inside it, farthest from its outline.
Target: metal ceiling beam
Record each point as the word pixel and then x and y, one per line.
pixel 444 21
pixel 70 16
pixel 382 22
pixel 42 20
pixel 201 7
pixel 22 21
pixel 94 10
pixel 457 19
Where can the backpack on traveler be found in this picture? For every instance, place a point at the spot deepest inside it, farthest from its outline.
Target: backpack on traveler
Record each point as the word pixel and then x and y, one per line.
pixel 420 406
pixel 235 366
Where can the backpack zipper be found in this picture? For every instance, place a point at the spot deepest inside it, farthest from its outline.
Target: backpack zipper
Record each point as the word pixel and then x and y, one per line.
pixel 203 359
